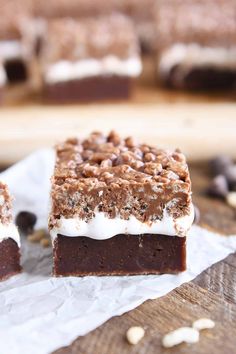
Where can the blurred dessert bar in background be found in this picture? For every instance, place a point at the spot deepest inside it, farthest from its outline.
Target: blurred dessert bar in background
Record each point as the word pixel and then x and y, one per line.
pixel 196 43
pixel 62 45
pixel 119 208
pixel 89 59
pixel 9 237
pixel 15 17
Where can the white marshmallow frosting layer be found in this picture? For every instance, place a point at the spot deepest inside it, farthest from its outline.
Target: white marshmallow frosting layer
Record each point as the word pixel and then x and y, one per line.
pixel 110 65
pixel 100 227
pixel 194 55
pixel 9 231
pixel 11 49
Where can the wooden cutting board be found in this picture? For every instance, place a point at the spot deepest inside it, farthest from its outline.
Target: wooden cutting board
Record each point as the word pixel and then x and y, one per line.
pixel 201 124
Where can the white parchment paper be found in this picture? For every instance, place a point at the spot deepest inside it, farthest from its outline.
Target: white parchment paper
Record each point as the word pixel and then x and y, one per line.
pixel 39 313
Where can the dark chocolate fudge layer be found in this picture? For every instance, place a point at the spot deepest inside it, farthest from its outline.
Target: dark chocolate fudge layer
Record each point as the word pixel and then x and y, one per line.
pixel 209 78
pixel 9 258
pixel 89 89
pixel 119 255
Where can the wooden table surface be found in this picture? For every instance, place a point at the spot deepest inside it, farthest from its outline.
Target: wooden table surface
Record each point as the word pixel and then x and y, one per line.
pixel 212 294
pixel 201 124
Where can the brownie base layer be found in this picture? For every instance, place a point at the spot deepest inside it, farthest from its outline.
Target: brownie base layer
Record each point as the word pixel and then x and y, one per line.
pixel 89 89
pixel 9 258
pixel 201 79
pixel 16 70
pixel 119 255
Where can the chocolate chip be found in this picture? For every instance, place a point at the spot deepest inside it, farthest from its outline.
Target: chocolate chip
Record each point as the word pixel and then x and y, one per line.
pixel 25 221
pixel 219 164
pixel 218 187
pixel 196 215
pixel 230 175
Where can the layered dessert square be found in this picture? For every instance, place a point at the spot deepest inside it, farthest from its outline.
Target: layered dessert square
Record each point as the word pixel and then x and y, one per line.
pixel 89 59
pixel 15 15
pixel 9 237
pixel 119 208
pixel 196 43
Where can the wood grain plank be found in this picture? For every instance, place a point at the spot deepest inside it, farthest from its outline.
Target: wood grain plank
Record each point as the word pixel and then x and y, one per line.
pixel 196 128
pixel 178 308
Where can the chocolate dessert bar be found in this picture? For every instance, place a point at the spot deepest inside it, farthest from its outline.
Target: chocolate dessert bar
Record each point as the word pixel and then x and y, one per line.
pixel 119 208
pixel 9 237
pixel 196 43
pixel 15 15
pixel 89 59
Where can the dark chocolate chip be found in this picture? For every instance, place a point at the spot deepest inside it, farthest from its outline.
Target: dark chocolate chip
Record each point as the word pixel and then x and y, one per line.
pixel 230 175
pixel 218 187
pixel 219 164
pixel 25 221
pixel 196 215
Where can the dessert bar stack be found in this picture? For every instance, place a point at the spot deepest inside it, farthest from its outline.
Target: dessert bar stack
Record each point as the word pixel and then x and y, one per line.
pixel 196 43
pixel 89 59
pixel 9 237
pixel 119 208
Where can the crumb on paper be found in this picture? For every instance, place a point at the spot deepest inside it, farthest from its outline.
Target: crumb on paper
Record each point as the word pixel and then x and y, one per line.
pixel 135 334
pixel 37 236
pixel 180 335
pixel 231 199
pixel 203 323
pixel 45 242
